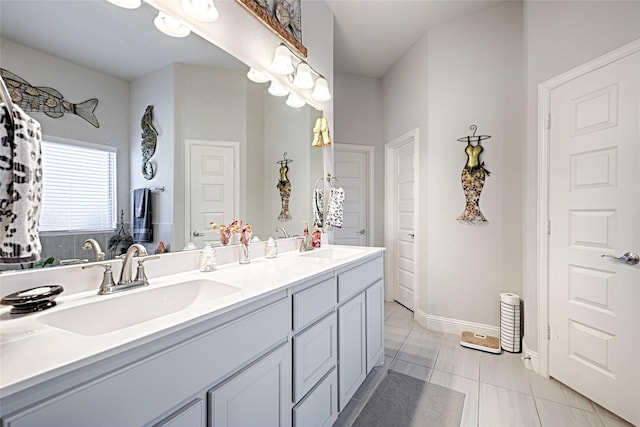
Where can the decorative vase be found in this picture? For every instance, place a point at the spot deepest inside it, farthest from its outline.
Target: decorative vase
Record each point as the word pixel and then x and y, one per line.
pixel 243 246
pixel 224 238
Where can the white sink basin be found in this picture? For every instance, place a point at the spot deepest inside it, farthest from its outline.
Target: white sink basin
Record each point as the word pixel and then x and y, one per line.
pixel 332 252
pixel 127 309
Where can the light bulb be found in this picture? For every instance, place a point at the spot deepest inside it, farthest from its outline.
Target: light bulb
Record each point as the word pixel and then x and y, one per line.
pixel 276 89
pixel 170 26
pixel 257 76
pixel 202 10
pixel 295 101
pixel 282 61
pixel 303 79
pixel 321 91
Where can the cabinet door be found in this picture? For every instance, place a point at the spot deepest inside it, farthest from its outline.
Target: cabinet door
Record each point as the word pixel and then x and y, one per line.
pixel 352 366
pixel 258 396
pixel 320 407
pixel 191 415
pixel 314 354
pixel 375 325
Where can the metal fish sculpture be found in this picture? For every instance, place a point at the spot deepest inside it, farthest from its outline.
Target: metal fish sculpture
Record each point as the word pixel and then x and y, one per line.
pixel 46 100
pixel 149 141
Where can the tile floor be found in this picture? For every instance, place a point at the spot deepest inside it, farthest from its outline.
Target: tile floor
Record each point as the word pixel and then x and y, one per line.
pixel 499 390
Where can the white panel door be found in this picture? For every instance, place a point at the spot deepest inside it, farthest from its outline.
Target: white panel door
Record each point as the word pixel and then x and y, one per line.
pixel 594 209
pixel 404 209
pixel 352 169
pixel 212 189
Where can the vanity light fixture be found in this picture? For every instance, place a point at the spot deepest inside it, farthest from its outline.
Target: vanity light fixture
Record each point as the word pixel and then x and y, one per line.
pixel 303 78
pixel 170 26
pixel 202 10
pixel 276 89
pixel 282 61
pixel 321 90
pixel 127 4
pixel 295 101
pixel 257 76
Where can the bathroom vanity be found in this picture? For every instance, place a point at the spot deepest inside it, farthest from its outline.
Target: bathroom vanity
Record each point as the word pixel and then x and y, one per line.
pixel 278 342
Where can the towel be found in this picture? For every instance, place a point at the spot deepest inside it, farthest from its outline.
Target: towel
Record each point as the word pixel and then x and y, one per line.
pixel 20 187
pixel 142 228
pixel 335 209
pixel 318 207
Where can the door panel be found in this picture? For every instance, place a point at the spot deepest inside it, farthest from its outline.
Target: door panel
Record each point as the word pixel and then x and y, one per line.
pixel 403 199
pixel 212 190
pixel 594 209
pixel 352 169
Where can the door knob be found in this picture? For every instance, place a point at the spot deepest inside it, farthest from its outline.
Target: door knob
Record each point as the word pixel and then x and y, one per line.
pixel 361 231
pixel 196 234
pixel 412 235
pixel 630 258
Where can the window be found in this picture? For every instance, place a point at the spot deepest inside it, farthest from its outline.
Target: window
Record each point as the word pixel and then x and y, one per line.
pixel 78 187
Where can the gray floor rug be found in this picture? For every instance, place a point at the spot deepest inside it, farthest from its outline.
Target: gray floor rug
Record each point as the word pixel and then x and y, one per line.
pixel 403 401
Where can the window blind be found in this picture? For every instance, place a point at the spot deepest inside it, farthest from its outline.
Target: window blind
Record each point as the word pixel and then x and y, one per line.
pixel 78 188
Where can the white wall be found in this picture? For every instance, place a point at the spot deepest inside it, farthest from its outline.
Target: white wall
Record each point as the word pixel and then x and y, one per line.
pixel 211 104
pixel 484 69
pixel 358 120
pixel 155 89
pixel 475 77
pixel 77 84
pixel 287 130
pixel 469 71
pixel 560 36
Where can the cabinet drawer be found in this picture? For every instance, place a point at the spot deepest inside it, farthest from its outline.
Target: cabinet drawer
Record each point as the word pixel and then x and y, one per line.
pixel 320 407
pixel 312 303
pixel 314 354
pixel 353 281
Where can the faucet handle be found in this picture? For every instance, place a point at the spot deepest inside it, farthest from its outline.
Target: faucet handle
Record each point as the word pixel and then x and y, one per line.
pixel 107 278
pixel 140 274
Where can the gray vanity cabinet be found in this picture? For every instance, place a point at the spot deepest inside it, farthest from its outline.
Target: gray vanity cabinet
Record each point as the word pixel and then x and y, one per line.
pixel 294 357
pixel 360 325
pixel 315 354
pixel 374 296
pixel 155 382
pixel 351 348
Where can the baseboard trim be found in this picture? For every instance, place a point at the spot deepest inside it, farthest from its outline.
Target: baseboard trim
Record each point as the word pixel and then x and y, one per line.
pixel 453 326
pixel 531 358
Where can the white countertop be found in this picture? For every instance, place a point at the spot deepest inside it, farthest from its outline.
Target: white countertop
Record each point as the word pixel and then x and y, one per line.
pixel 32 352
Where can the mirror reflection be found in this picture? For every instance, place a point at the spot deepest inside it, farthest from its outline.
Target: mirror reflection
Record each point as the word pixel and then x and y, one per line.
pixel 219 135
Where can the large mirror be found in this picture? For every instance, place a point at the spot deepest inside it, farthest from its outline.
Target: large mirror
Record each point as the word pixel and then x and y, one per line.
pixel 211 120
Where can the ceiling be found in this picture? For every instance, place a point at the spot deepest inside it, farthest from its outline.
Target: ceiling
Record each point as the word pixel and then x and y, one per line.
pixel 371 35
pixel 119 42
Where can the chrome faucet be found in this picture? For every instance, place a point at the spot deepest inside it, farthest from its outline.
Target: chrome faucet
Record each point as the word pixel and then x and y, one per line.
pixel 284 232
pixel 306 243
pixel 108 286
pixel 125 274
pixel 97 251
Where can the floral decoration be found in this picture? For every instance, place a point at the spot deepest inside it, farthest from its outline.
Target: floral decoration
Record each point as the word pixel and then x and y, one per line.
pixel 236 227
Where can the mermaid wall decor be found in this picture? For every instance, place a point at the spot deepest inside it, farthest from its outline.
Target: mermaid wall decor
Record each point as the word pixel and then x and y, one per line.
pixel 284 186
pixel 473 176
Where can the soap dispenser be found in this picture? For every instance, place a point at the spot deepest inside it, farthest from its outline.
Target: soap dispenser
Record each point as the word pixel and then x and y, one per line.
pixel 208 260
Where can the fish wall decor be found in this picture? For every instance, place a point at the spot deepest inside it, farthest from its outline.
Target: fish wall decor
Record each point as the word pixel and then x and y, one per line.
pixel 149 141
pixel 46 100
